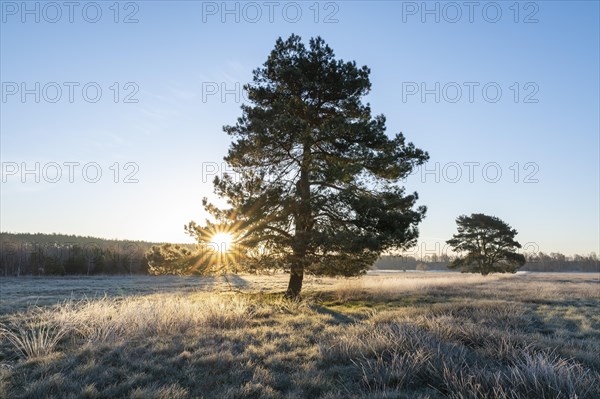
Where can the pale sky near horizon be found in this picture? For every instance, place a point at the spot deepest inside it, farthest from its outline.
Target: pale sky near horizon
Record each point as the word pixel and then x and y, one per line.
pixel 503 95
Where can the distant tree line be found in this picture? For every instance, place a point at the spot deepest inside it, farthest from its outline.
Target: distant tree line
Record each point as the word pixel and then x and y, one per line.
pixel 59 254
pixel 428 262
pixel 557 262
pixel 540 262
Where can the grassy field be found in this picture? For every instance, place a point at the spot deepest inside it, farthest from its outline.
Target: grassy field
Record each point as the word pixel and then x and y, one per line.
pixel 402 335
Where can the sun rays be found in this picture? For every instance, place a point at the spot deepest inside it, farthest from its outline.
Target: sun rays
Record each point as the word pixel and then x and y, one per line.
pixel 223 240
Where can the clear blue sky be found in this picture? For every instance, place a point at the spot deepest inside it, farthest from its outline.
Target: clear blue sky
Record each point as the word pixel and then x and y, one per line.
pixel 179 53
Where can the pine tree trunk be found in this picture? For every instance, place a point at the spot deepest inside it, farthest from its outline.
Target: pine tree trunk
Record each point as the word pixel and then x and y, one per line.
pixel 304 224
pixel 295 283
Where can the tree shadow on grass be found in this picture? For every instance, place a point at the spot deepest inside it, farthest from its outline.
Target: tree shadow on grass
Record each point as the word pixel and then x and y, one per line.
pixel 339 318
pixel 237 281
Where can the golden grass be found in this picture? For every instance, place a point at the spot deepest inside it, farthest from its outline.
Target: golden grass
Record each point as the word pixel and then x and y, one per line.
pixel 413 335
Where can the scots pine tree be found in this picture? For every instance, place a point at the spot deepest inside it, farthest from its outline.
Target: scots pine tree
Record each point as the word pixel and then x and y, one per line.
pixel 487 245
pixel 316 185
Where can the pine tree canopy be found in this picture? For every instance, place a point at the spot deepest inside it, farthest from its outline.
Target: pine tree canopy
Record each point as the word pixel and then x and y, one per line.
pixel 316 178
pixel 488 245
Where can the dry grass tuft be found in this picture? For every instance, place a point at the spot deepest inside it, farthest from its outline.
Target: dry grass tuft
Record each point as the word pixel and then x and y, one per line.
pixel 33 339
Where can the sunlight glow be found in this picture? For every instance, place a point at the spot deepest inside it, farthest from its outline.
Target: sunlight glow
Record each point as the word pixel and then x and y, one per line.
pixel 223 240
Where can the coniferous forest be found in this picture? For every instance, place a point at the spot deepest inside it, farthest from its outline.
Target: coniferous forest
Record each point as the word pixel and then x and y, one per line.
pixel 61 254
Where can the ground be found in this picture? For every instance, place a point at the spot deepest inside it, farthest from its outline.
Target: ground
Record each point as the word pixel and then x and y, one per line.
pixel 396 335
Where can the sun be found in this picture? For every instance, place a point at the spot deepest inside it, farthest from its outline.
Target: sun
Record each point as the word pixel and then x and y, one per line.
pixel 223 240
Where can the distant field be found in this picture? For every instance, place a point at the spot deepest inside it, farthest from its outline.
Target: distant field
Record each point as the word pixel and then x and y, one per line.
pixel 385 335
pixel 19 293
